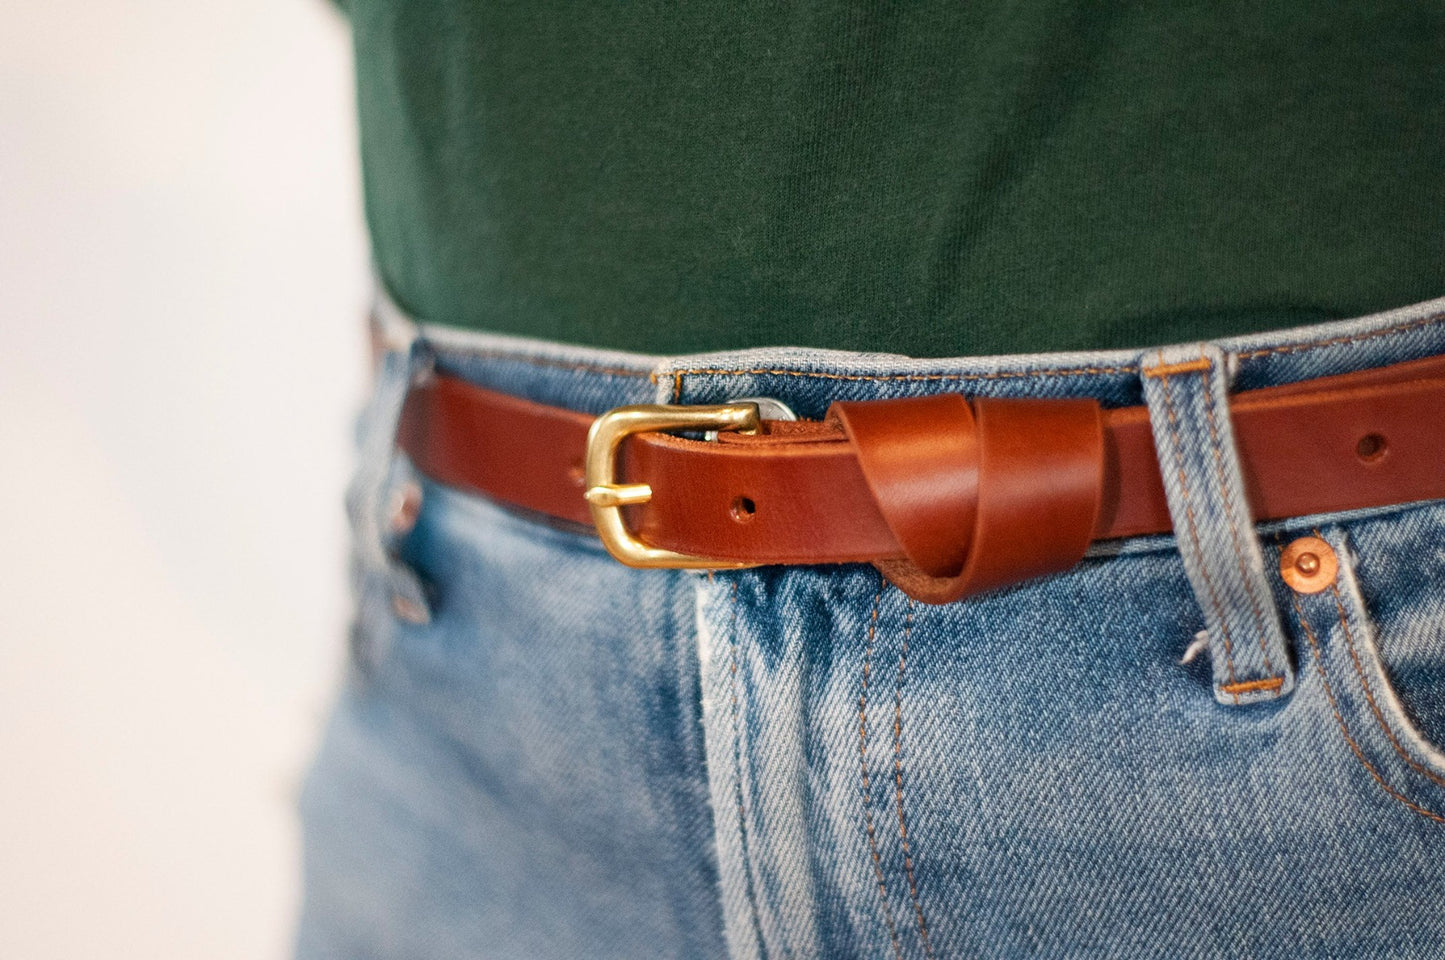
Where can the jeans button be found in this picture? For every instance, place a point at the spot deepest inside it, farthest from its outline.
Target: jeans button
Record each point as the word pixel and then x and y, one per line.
pixel 408 609
pixel 404 508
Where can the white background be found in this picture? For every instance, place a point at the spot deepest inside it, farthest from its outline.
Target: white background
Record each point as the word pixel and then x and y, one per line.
pixel 182 279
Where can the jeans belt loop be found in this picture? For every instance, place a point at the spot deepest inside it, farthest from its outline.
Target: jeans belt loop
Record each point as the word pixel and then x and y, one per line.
pixel 402 363
pixel 1186 391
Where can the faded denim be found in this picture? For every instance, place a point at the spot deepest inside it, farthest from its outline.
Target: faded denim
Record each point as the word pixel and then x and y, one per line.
pixel 570 758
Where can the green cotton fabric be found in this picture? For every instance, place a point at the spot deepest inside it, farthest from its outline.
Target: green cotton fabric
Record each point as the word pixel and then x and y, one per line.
pixel 930 178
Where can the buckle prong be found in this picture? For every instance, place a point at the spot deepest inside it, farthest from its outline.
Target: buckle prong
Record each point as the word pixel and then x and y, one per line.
pixel 618 494
pixel 605 496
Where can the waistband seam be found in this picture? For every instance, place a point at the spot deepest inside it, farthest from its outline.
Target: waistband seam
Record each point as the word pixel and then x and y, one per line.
pixel 1416 324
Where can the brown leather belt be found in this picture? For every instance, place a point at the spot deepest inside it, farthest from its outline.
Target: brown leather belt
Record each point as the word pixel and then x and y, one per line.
pixel 948 496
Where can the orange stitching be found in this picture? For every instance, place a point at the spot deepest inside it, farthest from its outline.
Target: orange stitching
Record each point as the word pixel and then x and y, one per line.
pixel 1369 696
pixel 676 387
pixel 867 788
pixel 1188 366
pixel 920 377
pixel 1035 374
pixel 1249 686
pixel 1194 532
pixel 1233 529
pixel 1339 719
pixel 898 780
pixel 738 765
pixel 1352 338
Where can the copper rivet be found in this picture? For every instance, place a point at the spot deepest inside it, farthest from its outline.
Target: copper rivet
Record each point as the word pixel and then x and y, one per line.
pixel 1308 565
pixel 405 508
pixel 408 609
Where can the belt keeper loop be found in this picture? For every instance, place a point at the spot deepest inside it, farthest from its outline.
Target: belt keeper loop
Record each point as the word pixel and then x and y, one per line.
pixel 980 494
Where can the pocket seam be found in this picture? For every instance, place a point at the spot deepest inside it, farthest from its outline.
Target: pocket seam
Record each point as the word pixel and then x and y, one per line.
pixel 1344 730
pixel 1415 763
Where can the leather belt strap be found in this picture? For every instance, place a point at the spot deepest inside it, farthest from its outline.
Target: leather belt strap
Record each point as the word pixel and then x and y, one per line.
pixel 948 496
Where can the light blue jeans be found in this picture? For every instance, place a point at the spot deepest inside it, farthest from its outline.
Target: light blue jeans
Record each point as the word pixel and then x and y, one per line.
pixel 541 753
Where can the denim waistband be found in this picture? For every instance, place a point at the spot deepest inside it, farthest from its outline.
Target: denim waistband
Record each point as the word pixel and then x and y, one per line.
pixel 1186 388
pixel 807 379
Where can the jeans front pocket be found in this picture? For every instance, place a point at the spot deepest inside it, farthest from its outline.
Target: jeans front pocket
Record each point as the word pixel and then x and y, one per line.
pixel 1374 640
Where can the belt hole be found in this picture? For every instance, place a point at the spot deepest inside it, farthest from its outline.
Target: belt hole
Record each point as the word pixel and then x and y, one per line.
pixel 1372 447
pixel 743 509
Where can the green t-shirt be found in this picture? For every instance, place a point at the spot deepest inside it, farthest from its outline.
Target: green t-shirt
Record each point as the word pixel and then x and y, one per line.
pixel 933 178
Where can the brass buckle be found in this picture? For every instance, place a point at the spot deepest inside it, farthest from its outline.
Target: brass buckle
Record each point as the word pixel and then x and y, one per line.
pixel 606 496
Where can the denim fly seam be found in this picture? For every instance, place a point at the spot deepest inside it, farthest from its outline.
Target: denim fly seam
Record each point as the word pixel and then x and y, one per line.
pixel 766 888
pixel 1186 388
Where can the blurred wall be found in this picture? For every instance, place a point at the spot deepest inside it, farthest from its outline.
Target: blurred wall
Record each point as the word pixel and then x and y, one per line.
pixel 182 278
